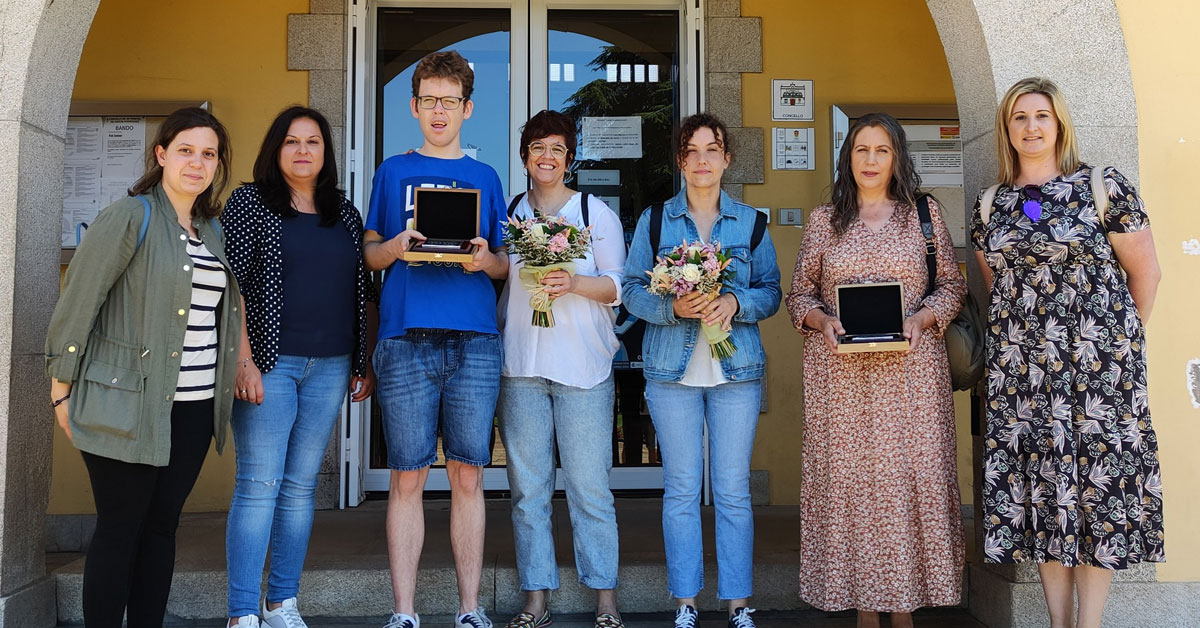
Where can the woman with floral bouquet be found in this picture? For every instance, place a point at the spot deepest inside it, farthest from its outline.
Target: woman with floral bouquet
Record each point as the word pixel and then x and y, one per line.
pixel 695 378
pixel 557 384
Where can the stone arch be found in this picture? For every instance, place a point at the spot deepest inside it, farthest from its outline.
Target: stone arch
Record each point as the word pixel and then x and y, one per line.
pixel 42 42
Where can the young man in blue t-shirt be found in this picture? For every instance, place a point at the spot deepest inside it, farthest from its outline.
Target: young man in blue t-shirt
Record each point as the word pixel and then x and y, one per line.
pixel 439 347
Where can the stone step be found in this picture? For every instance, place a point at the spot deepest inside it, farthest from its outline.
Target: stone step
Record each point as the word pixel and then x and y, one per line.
pixel 346 573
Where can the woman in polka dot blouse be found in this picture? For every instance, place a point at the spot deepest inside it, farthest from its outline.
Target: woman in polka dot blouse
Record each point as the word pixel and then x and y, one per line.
pixel 295 245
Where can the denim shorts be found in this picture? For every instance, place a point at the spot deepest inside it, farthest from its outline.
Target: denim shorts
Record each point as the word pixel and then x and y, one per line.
pixel 431 374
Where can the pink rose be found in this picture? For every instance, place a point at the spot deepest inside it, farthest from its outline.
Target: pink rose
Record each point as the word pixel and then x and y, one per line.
pixel 558 243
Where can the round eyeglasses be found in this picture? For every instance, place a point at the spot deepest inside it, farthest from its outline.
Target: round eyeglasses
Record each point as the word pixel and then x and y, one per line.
pixel 537 149
pixel 449 103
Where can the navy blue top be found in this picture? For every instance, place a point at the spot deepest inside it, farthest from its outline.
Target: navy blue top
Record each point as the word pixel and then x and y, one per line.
pixel 319 266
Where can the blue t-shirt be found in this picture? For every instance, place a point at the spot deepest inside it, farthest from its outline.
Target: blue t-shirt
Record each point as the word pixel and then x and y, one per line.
pixel 434 295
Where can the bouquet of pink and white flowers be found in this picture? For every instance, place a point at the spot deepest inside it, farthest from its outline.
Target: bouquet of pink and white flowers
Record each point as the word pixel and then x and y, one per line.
pixel 545 244
pixel 696 267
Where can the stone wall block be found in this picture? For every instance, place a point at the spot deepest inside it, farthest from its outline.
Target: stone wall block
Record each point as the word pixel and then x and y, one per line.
pixel 26 483
pixel 327 94
pixel 30 607
pixel 974 87
pixel 748 157
pixel 53 61
pixel 327 6
pixel 316 42
pixel 723 8
pixel 1110 146
pixel 18 28
pixel 36 243
pixel 736 191
pixel 733 44
pixel 723 97
pixel 339 150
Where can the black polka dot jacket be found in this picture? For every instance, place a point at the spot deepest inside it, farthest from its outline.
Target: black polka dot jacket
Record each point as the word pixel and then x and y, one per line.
pixel 252 235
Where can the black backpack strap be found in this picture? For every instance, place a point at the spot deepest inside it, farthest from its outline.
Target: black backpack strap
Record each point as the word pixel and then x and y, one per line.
pixel 930 246
pixel 584 209
pixel 760 229
pixel 512 205
pixel 656 218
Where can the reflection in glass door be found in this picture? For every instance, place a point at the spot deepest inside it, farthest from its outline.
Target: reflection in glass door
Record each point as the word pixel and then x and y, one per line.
pixel 590 62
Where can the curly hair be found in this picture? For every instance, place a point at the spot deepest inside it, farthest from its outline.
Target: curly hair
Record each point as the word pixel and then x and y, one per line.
pixel 688 127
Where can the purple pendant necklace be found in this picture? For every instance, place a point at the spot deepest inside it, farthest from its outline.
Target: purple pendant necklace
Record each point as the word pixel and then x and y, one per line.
pixel 1033 202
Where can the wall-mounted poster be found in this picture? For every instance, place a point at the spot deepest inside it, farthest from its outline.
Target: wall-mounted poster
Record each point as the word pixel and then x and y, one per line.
pixel 792 99
pixel 936 151
pixel 102 157
pixel 793 148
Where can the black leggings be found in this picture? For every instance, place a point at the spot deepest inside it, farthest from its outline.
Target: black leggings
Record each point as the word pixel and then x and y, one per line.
pixel 132 555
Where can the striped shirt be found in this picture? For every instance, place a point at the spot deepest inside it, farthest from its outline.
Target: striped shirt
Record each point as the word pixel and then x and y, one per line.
pixel 198 370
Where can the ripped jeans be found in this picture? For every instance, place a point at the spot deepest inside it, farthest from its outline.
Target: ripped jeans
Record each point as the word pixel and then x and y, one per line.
pixel 279 445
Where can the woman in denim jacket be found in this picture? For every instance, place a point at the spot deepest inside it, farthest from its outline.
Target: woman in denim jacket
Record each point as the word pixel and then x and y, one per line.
pixel 687 387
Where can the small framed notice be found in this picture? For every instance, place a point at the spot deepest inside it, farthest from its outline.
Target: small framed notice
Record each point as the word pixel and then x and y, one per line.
pixel 792 99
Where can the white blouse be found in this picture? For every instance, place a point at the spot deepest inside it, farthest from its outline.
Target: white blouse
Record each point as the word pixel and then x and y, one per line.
pixel 579 349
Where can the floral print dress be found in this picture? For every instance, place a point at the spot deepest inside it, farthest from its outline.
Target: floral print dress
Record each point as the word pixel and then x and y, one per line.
pixel 1071 471
pixel 880 519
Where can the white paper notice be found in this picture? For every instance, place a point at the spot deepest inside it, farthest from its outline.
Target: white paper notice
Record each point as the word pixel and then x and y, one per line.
pixel 791 99
pixel 613 137
pixel 124 147
pixel 82 139
pixel 936 151
pixel 793 149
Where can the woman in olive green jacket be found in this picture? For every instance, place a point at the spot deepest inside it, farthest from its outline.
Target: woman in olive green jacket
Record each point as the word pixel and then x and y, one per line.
pixel 142 354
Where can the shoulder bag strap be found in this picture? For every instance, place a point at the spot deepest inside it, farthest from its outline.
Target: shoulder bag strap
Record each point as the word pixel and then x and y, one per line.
pixel 1099 194
pixel 985 203
pixel 656 218
pixel 145 222
pixel 930 246
pixel 512 205
pixel 760 228
pixel 584 208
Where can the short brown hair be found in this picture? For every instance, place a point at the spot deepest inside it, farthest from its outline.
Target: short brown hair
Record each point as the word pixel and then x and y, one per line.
pixel 208 203
pixel 444 65
pixel 1066 150
pixel 695 122
pixel 548 122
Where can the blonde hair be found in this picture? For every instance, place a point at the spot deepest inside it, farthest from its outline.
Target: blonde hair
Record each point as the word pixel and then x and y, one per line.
pixel 1066 150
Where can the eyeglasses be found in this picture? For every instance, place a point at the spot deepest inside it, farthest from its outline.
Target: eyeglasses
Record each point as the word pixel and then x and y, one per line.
pixel 449 103
pixel 1033 202
pixel 537 149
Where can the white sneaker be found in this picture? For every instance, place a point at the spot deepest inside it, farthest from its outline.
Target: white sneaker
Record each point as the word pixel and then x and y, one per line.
pixel 286 616
pixel 249 621
pixel 473 619
pixel 400 620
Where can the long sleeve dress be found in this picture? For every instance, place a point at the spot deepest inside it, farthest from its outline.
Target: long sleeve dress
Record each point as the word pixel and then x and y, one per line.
pixel 1071 471
pixel 881 527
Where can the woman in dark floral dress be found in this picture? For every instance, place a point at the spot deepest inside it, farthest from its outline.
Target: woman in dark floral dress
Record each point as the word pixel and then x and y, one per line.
pixel 1071 473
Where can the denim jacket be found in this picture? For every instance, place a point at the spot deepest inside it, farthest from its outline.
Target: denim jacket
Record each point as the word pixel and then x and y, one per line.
pixel 669 341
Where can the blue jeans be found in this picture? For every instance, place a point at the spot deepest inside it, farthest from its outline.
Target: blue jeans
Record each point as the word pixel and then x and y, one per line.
pixel 534 412
pixel 279 445
pixel 428 374
pixel 679 412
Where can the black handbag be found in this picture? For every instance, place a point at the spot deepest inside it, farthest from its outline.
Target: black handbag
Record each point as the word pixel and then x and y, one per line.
pixel 964 334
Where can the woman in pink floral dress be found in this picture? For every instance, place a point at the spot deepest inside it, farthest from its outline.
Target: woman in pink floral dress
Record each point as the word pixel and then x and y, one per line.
pixel 881 529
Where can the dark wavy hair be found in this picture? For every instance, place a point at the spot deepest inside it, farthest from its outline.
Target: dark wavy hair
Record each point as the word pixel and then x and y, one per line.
pixel 273 188
pixel 545 123
pixel 905 183
pixel 688 127
pixel 207 204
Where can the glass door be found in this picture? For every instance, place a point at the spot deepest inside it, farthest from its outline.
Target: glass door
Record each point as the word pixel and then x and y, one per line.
pixel 610 68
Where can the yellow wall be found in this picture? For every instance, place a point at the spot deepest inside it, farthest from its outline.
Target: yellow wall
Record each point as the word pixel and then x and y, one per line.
pixel 1167 86
pixel 228 52
pixel 900 61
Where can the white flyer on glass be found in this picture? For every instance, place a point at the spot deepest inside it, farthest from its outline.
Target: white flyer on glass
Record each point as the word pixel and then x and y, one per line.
pixel 936 151
pixel 792 99
pixel 611 137
pixel 102 157
pixel 792 148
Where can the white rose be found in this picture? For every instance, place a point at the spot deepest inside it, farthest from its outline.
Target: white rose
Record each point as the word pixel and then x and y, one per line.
pixel 661 276
pixel 539 232
pixel 692 273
